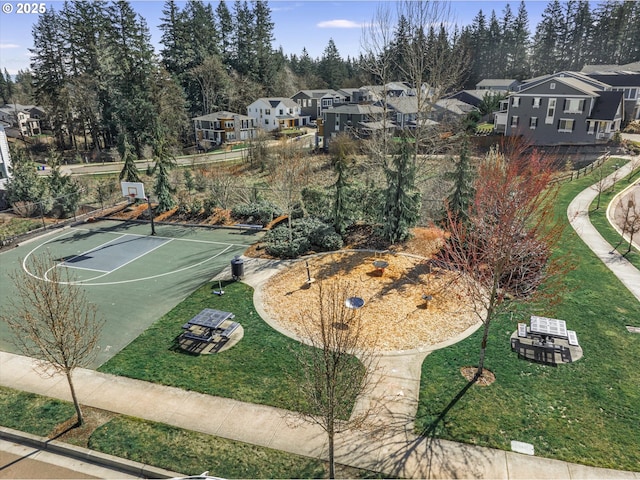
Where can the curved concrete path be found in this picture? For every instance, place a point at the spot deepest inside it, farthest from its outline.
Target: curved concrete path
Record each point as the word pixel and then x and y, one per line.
pixel 578 213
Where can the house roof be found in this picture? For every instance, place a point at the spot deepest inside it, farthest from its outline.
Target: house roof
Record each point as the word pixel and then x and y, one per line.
pixel 472 97
pixel 376 125
pixel 454 105
pixel 618 79
pixel 403 104
pixel 221 114
pixel 357 109
pixel 496 82
pixel 317 93
pixel 589 85
pixel 629 67
pixel 606 106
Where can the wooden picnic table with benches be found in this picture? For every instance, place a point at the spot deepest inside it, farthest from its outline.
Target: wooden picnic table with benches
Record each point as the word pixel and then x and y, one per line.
pixel 206 325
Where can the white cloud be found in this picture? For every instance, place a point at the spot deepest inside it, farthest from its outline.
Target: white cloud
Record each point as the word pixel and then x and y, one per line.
pixel 339 24
pixel 8 45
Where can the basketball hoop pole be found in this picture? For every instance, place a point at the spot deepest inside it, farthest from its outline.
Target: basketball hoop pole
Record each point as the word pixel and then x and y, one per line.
pixel 153 227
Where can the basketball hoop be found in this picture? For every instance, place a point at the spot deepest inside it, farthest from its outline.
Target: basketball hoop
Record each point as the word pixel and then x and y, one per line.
pixel 132 198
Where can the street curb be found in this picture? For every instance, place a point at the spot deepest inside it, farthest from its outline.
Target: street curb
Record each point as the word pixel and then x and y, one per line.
pixel 86 455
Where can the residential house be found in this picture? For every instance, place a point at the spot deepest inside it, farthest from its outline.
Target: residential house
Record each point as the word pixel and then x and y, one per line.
pixel 313 102
pixel 26 118
pixel 629 67
pixel 276 113
pixel 627 82
pixel 566 108
pixel 223 127
pixel 403 110
pixel 5 160
pixel 358 120
pixel 498 84
pixel 450 110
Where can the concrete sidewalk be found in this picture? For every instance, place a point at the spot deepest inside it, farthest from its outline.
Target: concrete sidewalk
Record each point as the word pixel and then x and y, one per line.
pixel 578 213
pixel 385 449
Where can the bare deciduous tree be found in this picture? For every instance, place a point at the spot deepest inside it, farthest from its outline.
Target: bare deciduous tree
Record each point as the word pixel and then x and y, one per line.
pixel 339 368
pixel 630 211
pixel 52 320
pixel 503 248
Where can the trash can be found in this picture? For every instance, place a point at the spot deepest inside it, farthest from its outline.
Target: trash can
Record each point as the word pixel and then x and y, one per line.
pixel 237 268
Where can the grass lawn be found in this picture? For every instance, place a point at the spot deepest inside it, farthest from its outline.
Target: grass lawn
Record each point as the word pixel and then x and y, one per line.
pixel 32 413
pixel 586 412
pixel 599 219
pixel 261 368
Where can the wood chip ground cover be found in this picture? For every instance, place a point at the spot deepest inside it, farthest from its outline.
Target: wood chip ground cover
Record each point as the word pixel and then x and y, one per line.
pixel 395 314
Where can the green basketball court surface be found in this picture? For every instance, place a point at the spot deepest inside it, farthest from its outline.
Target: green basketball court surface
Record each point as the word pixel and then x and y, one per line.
pixel 132 277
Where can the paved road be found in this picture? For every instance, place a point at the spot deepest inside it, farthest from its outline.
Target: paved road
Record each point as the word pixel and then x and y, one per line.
pixel 19 461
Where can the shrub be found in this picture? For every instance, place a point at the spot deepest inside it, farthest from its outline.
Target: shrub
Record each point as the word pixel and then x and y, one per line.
pixel 257 212
pixel 306 233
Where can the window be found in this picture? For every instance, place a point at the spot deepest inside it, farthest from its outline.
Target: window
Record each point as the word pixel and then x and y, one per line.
pixel 630 94
pixel 267 111
pixel 566 125
pixel 281 111
pixel 266 121
pixel 591 128
pixel 551 111
pixel 514 121
pixel 536 102
pixel 533 123
pixel 552 86
pixel 573 105
pixel 515 102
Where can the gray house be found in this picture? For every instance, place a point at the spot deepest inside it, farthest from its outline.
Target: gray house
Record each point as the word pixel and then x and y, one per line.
pixel 358 120
pixel 313 102
pixel 566 108
pixel 627 82
pixel 223 127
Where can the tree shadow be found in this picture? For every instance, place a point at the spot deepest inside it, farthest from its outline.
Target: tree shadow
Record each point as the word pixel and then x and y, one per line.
pixel 37 446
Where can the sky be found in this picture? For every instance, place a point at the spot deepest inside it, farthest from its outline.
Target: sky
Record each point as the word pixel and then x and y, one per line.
pixel 297 24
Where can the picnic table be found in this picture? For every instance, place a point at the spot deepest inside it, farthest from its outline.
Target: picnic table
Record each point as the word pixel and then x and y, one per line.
pixel 204 325
pixel 549 327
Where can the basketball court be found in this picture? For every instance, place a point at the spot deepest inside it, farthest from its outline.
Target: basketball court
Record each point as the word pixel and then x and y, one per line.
pixel 133 277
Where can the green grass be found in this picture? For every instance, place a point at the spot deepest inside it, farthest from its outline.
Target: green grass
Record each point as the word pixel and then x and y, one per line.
pixel 32 413
pixel 192 453
pixel 18 226
pixel 599 219
pixel 586 412
pixel 261 368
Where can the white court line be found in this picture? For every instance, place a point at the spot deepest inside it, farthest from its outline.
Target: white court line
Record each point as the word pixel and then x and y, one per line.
pixel 119 267
pixel 82 268
pixel 169 238
pixel 84 282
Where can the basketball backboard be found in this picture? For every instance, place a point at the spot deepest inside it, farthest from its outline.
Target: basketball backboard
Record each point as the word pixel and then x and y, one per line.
pixel 133 190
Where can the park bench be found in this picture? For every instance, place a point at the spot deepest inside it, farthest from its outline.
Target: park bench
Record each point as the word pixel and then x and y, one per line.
pixel 226 333
pixel 196 337
pixel 573 338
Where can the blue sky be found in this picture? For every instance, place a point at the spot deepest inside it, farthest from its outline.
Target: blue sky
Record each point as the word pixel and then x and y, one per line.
pixel 298 24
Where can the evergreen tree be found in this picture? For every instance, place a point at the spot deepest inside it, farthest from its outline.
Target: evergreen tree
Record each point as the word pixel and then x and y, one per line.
pixel 225 32
pixel 25 185
pixel 479 35
pixel 518 66
pixel 65 192
pixel 130 70
pixel 462 178
pixel 268 64
pixel 47 64
pixel 164 162
pixel 546 43
pixel 245 60
pixel 129 172
pixel 5 87
pixel 402 202
pixel 331 68
pixel 341 149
